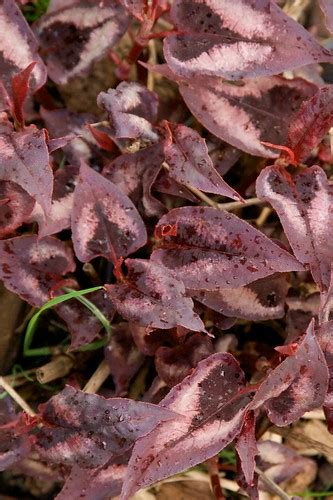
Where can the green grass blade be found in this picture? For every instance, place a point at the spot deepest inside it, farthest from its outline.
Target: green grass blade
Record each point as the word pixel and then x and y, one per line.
pixel 32 325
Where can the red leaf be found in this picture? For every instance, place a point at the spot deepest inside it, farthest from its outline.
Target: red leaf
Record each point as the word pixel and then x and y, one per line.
pixel 153 296
pixel 311 122
pixel 19 51
pixel 32 267
pixel 104 221
pixel 75 34
pixel 123 357
pixel 95 484
pixel 237 40
pixel 13 447
pixel 24 159
pixel 135 173
pixel 247 112
pixel 88 430
pixel 246 447
pixel 131 109
pixel 303 202
pixel 187 155
pixel 15 207
pixel 173 364
pixel 20 86
pixel 261 300
pixel 62 122
pixel 212 416
pixel 215 249
pixel 297 385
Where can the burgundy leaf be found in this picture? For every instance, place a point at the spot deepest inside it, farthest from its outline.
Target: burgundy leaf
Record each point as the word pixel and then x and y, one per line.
pixel 18 48
pixel 282 463
pixel 74 34
pixel 59 216
pixel 131 109
pixel 303 202
pixel 327 8
pixel 214 249
pixel 62 122
pixel 134 174
pixel 82 323
pixel 59 142
pixel 165 184
pixel 297 385
pixel 237 40
pixel 310 123
pixel 123 357
pixel 247 112
pixel 32 267
pixel 15 207
pixel 12 446
pixel 146 339
pixel 212 417
pixel 173 364
pixel 96 484
pixel 20 88
pixel 246 447
pixel 261 300
pixel 187 156
pixel 104 220
pixel 24 159
pixel 153 296
pixel 88 430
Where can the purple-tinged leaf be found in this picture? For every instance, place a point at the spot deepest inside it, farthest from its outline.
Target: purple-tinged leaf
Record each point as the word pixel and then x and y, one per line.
pixel 24 159
pixel 246 447
pixel 18 48
pixel 214 249
pixel 154 297
pixel 59 142
pixel 131 109
pixel 59 216
pixel 82 323
pixel 213 415
pixel 88 430
pixel 281 463
pixel 12 446
pixel 96 484
pixel 146 339
pixel 303 202
pixel 62 122
pixel 187 156
pixel 237 40
pixel 310 123
pixel 327 8
pixel 104 220
pixel 77 34
pixel 166 185
pixel 15 207
pixel 261 300
pixel 173 364
pixel 135 173
pixel 20 89
pixel 123 357
pixel 297 385
pixel 247 112
pixel 32 267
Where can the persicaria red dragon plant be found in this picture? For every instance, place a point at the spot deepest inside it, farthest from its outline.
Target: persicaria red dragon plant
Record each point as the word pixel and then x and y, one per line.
pixel 127 197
